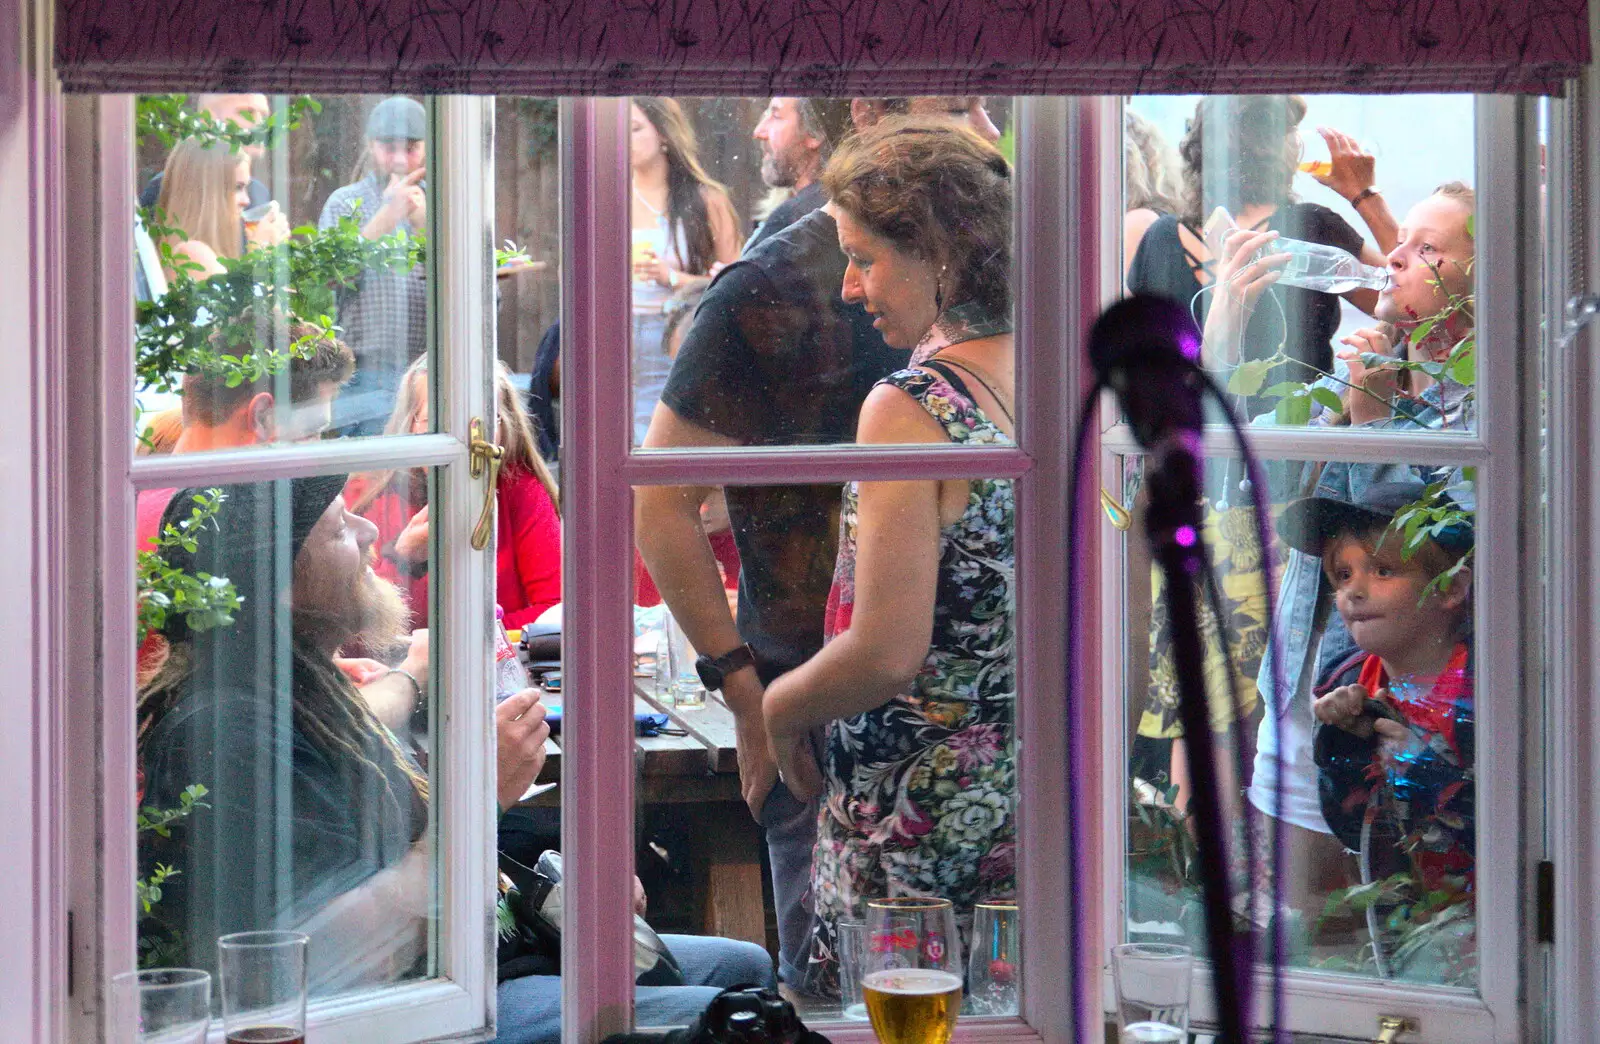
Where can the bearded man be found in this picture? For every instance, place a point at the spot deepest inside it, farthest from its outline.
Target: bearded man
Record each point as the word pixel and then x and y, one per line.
pixel 315 817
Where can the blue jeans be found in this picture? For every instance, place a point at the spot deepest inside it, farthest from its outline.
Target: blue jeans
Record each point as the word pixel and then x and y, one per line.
pixel 791 835
pixel 530 1008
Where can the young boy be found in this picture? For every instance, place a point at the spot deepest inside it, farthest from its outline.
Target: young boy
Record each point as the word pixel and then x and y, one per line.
pixel 1394 739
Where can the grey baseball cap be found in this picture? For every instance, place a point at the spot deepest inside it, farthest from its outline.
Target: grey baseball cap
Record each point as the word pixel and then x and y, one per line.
pixel 396 118
pixel 1308 524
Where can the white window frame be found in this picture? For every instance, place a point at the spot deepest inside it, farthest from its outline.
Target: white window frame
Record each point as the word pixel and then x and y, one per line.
pixel 1504 449
pixel 460 1000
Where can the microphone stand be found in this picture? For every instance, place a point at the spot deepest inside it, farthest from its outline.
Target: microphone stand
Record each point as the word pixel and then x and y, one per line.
pixel 1173 521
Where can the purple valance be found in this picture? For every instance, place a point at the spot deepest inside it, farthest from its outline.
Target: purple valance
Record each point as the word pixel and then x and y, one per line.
pixel 833 47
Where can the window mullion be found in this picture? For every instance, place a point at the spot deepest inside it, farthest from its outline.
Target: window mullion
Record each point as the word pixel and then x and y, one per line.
pixel 1057 289
pixel 597 727
pixel 1507 320
pixel 463 345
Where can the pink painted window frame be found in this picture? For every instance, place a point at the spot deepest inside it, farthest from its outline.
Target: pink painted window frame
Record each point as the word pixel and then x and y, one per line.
pixel 1058 289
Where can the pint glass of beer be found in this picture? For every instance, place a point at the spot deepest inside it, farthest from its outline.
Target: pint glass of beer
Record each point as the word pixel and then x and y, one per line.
pixel 912 980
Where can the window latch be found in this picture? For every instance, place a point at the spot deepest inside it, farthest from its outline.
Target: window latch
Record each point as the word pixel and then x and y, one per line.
pixel 1391 1026
pixel 484 456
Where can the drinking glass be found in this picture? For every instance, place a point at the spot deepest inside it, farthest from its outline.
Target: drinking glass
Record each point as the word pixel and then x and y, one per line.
pixel 161 1006
pixel 912 983
pixel 263 987
pixel 687 692
pixel 851 938
pixel 996 964
pixel 1152 990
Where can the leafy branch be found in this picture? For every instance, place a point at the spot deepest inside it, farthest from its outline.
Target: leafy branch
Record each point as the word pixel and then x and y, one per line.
pixel 185 329
pixel 204 601
pixel 167 118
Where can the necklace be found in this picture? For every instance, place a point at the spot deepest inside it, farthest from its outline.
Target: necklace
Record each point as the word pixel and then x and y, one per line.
pixel 640 197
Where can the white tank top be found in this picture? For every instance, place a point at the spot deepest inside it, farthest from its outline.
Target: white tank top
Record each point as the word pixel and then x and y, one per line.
pixel 648 295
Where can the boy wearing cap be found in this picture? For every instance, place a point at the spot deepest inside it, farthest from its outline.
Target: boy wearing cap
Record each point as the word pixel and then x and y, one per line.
pixel 384 319
pixel 1394 739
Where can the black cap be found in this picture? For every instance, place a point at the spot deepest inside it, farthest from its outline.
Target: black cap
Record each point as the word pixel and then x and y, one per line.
pixel 1308 524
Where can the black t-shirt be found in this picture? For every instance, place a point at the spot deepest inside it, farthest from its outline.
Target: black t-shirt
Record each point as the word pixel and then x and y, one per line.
pixel 776 357
pixel 1309 319
pixel 787 213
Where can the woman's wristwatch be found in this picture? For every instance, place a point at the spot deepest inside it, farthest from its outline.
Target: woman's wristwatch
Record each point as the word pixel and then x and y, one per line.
pixel 1364 195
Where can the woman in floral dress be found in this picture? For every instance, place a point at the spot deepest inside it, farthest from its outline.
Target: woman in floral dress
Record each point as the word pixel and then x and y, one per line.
pixel 916 684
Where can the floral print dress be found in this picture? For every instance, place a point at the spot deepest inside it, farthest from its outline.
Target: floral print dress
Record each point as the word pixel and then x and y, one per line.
pixel 920 792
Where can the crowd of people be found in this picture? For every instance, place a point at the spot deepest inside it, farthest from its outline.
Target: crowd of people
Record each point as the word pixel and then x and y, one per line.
pixel 1370 734
pixel 867 650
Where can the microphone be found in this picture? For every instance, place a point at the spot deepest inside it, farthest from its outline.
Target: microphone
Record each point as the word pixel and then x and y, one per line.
pixel 1147 351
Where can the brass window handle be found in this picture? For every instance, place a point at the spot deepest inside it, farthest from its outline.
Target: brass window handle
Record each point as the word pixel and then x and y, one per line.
pixel 1120 517
pixel 1391 1026
pixel 484 456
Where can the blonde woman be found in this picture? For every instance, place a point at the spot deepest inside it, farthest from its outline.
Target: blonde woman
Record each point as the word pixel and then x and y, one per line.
pixel 205 190
pixel 528 533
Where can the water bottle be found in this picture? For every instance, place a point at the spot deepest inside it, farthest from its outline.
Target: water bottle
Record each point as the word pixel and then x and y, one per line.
pixel 1317 266
pixel 510 677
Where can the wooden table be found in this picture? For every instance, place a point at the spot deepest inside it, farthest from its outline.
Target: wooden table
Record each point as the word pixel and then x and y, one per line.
pixel 697 774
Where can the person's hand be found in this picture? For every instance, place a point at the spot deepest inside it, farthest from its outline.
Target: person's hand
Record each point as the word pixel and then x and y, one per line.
pixel 1241 279
pixel 651 267
pixel 757 770
pixel 404 199
pixel 1351 170
pixel 714 513
pixel 520 732
pixel 270 230
pixel 360 669
pixel 416 661
pixel 797 765
pixel 1345 707
pixel 412 543
pixel 1381 383
pixel 641 902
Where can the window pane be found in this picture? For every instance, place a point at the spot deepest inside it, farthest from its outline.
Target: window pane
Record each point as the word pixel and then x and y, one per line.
pixel 1376 718
pixel 286 719
pixel 771 352
pixel 1290 347
pixel 884 660
pixel 280 274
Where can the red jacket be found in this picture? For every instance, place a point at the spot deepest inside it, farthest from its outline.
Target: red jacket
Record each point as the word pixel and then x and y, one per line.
pixel 528 563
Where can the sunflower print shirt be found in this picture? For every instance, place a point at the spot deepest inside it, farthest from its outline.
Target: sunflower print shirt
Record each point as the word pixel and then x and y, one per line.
pixel 920 792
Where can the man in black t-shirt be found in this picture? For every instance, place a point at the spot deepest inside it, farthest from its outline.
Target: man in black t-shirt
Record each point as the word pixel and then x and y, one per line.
pixel 774 356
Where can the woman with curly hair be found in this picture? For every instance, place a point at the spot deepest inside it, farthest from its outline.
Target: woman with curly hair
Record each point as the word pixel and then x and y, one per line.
pixel 916 683
pixel 683 224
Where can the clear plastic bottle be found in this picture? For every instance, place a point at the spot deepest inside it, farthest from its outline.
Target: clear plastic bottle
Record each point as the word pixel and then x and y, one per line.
pixel 1317 266
pixel 510 677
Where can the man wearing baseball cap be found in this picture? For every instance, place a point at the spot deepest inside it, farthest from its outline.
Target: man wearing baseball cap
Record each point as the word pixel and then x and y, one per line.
pixel 384 319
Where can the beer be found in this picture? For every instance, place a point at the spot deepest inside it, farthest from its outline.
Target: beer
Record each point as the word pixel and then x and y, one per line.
pixel 912 1005
pixel 1317 168
pixel 267 1035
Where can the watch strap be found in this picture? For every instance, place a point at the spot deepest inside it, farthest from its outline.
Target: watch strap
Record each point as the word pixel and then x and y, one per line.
pixel 740 657
pixel 1364 195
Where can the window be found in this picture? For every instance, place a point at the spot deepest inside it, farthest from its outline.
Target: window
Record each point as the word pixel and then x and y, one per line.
pixel 1413 912
pixel 303 758
pixel 588 253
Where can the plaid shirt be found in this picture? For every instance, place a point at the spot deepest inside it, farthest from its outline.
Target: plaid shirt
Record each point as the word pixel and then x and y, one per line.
pixel 385 319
